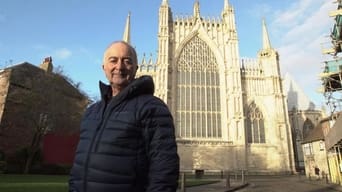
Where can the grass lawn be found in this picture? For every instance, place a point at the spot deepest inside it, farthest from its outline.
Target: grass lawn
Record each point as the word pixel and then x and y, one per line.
pixel 33 183
pixel 56 183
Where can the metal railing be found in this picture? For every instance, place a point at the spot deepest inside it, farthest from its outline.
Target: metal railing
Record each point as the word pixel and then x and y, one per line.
pixel 228 176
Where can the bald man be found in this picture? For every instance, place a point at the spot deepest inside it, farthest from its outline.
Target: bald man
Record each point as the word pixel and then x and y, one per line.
pixel 127 141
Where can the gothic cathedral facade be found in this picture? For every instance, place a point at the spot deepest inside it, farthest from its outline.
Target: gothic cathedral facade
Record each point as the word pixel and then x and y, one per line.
pixel 230 113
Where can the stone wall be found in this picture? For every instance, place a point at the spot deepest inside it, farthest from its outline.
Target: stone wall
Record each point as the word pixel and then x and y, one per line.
pixel 4 83
pixel 210 156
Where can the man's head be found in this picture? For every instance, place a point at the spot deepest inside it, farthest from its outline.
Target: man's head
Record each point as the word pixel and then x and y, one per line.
pixel 120 64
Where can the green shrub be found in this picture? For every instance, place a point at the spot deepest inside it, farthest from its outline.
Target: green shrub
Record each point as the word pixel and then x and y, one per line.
pixel 2 156
pixel 2 162
pixel 3 166
pixel 51 169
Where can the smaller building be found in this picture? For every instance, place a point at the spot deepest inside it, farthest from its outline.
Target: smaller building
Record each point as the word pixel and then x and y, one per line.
pixel 333 143
pixel 303 123
pixel 40 112
pixel 315 156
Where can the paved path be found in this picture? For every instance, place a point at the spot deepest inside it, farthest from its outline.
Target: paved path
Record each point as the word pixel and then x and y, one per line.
pixel 269 184
pixel 217 187
pixel 288 184
pixel 324 183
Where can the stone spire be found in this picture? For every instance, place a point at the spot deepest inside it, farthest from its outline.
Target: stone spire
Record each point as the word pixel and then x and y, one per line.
pixel 226 4
pixel 196 9
pixel 266 44
pixel 269 58
pixel 165 2
pixel 127 33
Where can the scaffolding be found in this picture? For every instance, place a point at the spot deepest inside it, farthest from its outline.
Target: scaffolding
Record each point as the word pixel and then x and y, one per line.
pixel 332 90
pixel 331 76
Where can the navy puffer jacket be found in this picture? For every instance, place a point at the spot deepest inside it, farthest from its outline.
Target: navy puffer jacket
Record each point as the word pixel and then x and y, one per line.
pixel 127 143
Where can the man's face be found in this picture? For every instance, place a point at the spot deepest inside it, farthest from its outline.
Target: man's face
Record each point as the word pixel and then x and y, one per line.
pixel 119 65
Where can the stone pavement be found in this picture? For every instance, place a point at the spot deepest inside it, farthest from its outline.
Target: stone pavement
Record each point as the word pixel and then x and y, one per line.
pixel 217 187
pixel 235 185
pixel 323 182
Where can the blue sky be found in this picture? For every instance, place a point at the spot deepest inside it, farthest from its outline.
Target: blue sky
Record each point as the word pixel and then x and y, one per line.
pixel 76 32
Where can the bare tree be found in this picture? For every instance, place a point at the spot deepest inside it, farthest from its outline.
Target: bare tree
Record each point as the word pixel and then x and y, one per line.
pixel 41 129
pixel 45 102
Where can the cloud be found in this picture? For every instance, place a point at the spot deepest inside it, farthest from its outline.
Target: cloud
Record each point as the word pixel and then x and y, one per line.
pixel 62 53
pixel 295 13
pixel 298 34
pixel 89 54
pixel 59 53
pixel 84 51
pixel 40 47
pixel 305 27
pixel 260 10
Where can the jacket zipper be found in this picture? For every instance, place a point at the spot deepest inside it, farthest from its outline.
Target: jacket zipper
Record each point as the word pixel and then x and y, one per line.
pixel 108 112
pixel 99 130
pixel 85 179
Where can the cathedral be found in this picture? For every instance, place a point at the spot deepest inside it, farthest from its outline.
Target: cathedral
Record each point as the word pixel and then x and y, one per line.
pixel 230 112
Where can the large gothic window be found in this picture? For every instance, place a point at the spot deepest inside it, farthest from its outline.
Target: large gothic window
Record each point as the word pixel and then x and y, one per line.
pixel 307 127
pixel 198 113
pixel 255 125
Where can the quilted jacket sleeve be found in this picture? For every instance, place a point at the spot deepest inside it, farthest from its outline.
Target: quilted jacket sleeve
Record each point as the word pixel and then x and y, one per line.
pixel 162 147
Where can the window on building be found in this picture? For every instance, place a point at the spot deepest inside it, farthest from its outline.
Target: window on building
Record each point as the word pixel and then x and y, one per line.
pixel 198 96
pixel 255 125
pixel 308 149
pixel 321 145
pixel 307 127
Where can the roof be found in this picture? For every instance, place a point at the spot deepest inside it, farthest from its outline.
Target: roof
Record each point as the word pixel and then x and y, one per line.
pixel 315 135
pixel 335 134
pixel 19 65
pixel 69 88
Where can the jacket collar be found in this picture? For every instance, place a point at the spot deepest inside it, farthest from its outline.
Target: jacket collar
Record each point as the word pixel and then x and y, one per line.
pixel 139 86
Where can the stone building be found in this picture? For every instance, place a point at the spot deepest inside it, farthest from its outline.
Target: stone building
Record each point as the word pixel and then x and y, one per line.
pixel 36 103
pixel 333 142
pixel 314 151
pixel 303 116
pixel 230 112
pixel 302 124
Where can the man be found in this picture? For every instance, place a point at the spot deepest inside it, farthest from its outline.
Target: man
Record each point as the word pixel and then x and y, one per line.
pixel 127 141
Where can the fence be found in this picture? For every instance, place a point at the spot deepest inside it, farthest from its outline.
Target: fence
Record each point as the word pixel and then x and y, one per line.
pixel 201 177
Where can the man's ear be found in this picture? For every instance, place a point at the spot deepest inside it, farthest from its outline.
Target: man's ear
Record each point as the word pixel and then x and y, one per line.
pixel 103 66
pixel 135 71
